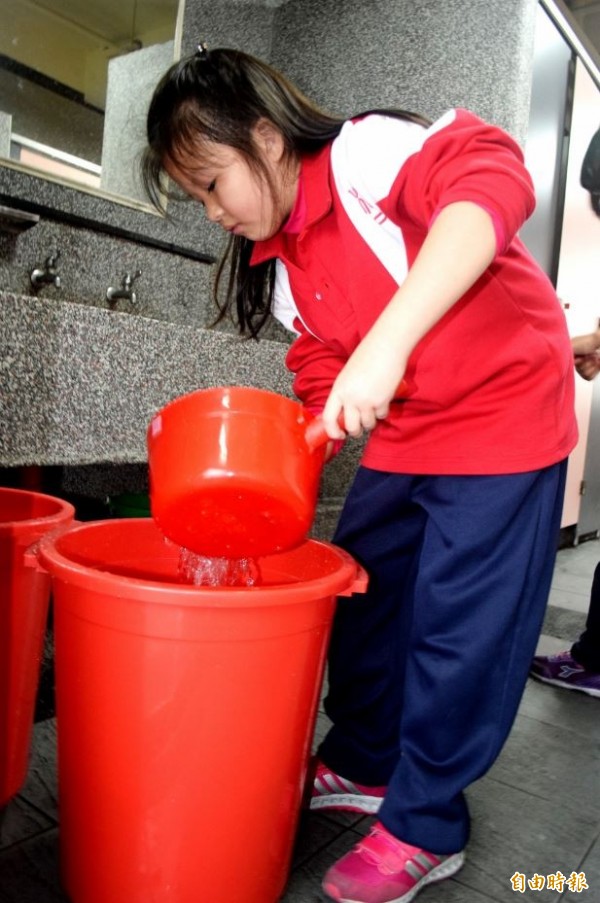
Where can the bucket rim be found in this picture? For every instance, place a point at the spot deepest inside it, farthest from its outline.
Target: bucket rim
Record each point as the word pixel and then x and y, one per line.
pixel 345 579
pixel 64 511
pixel 237 394
pixel 235 391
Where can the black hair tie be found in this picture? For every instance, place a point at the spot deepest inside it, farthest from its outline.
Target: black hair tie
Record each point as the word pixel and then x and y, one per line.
pixel 201 51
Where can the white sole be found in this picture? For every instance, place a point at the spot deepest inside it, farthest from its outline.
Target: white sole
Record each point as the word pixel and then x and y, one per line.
pixel 565 686
pixel 445 870
pixel 349 802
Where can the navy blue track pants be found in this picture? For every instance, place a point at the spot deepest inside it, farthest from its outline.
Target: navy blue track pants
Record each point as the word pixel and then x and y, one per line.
pixel 426 671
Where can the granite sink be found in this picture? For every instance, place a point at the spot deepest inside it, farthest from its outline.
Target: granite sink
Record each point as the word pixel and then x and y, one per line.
pixel 80 384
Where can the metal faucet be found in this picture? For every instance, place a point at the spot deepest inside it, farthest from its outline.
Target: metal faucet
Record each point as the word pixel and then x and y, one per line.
pixel 126 291
pixel 47 275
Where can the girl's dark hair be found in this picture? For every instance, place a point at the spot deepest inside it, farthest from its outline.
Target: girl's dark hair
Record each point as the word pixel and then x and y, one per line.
pixel 219 96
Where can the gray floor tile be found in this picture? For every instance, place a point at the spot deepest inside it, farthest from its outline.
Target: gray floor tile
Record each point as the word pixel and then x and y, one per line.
pixel 591 866
pixel 515 832
pixel 574 569
pixel 453 890
pixel 304 885
pixel 19 821
pixel 549 645
pixel 543 760
pixel 41 787
pixel 574 712
pixel 321 728
pixel 576 602
pixel 316 833
pixel 565 624
pixel 343 820
pixel 29 872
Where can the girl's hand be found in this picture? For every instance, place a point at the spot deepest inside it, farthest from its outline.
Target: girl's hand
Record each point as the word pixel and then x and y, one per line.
pixel 364 388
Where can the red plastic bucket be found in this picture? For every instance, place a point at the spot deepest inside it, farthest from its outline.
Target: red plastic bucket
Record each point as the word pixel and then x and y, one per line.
pixel 24 597
pixel 235 471
pixel 185 714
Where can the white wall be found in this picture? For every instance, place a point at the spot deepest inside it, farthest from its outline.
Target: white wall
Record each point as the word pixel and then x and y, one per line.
pixel 578 282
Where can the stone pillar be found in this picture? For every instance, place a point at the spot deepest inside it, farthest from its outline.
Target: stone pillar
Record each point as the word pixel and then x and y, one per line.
pixel 425 57
pixel 5 132
pixel 131 81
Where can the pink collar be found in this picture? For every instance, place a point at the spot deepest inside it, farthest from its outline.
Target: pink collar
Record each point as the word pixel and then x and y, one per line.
pixel 297 218
pixel 313 202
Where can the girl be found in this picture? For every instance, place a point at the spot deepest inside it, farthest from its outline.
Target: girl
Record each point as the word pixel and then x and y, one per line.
pixel 389 247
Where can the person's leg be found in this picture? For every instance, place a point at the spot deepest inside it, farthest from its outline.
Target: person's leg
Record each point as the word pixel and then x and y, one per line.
pixel 577 668
pixel 477 604
pixel 381 528
pixel 586 651
pixel 485 570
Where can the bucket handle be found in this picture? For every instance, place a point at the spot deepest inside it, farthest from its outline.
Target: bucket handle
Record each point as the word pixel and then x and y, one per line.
pixel 31 554
pixel 315 433
pixel 359 584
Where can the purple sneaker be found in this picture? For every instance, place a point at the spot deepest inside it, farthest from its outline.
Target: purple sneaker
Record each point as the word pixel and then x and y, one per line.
pixel 563 671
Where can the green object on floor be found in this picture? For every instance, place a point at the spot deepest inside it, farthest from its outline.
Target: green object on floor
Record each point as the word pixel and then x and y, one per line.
pixel 130 504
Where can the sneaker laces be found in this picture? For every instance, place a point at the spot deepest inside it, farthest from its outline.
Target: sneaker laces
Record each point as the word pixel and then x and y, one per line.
pixel 388 854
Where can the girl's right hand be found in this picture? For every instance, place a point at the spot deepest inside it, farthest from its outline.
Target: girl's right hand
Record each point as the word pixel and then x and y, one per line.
pixel 364 388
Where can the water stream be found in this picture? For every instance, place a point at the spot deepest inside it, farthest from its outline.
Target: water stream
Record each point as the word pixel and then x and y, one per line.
pixel 201 571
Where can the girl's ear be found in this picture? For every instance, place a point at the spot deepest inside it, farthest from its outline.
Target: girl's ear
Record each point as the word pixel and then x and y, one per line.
pixel 269 139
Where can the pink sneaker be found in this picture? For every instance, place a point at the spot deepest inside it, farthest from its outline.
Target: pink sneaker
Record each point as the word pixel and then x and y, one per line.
pixel 382 869
pixel 330 791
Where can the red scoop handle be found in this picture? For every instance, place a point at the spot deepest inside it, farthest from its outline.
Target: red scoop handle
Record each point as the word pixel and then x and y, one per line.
pixel 316 435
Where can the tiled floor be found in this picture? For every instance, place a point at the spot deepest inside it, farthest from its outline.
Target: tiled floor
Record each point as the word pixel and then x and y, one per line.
pixel 536 813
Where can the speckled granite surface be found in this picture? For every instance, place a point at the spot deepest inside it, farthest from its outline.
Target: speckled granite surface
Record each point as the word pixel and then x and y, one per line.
pixel 350 55
pixel 80 384
pixel 170 287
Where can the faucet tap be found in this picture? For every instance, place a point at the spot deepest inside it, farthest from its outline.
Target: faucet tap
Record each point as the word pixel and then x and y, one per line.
pixel 47 275
pixel 126 291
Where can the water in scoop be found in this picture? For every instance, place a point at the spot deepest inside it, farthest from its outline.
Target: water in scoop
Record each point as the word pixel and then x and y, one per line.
pixel 201 571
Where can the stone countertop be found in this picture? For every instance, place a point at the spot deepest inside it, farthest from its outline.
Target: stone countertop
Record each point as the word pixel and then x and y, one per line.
pixel 79 385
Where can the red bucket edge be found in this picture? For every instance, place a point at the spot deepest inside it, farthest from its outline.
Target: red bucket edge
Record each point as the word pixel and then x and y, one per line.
pixel 349 578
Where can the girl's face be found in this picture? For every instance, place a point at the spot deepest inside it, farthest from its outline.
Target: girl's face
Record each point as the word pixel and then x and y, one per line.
pixel 232 194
